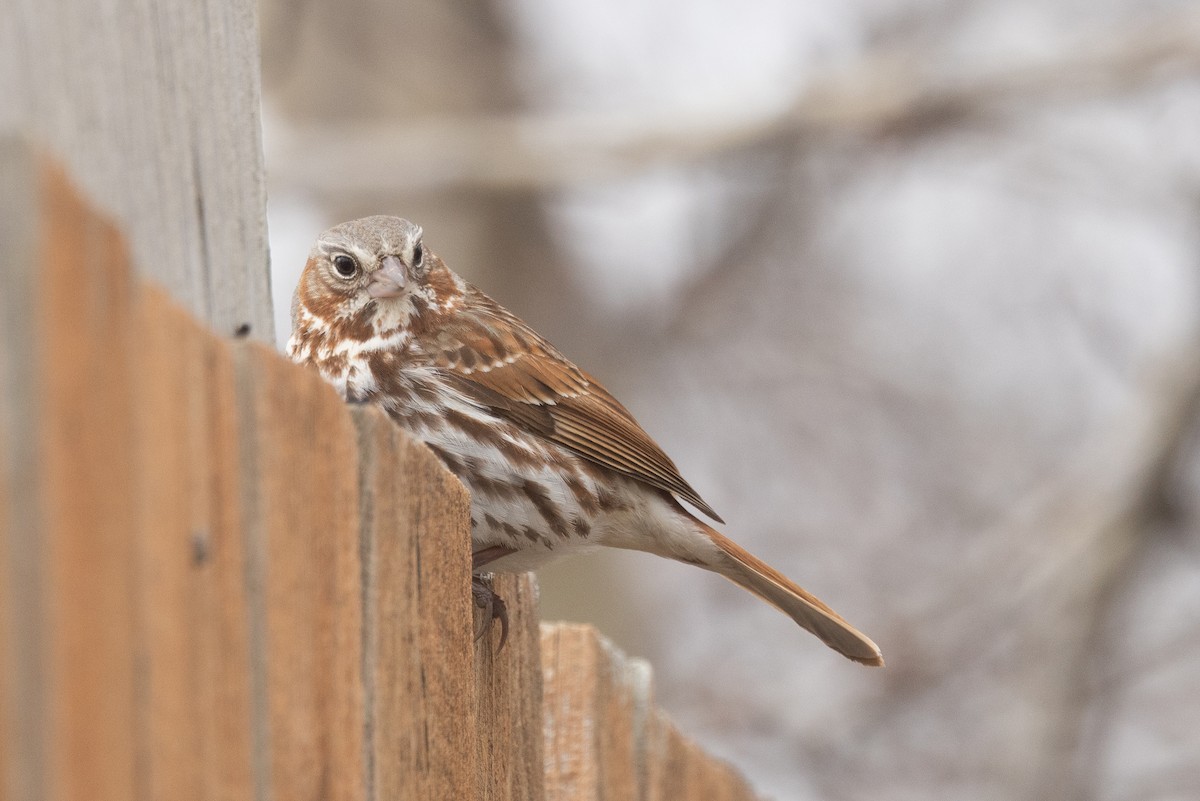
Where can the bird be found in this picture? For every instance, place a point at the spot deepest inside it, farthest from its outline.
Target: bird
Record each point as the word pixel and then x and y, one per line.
pixel 553 462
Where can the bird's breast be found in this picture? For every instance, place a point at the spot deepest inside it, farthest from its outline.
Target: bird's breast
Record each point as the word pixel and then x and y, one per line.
pixel 526 491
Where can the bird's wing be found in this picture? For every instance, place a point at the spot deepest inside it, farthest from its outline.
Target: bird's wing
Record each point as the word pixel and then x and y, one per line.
pixel 501 363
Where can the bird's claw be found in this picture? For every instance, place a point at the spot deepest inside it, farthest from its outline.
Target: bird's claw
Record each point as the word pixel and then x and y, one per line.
pixel 493 607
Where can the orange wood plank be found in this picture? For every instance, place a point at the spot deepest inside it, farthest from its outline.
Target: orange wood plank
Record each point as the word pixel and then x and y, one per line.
pixel 678 768
pixel 196 701
pixel 509 697
pixel 420 675
pixel 87 502
pixel 590 717
pixel 300 465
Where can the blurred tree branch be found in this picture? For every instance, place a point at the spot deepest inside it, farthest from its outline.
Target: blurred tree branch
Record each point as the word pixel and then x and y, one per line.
pixel 896 93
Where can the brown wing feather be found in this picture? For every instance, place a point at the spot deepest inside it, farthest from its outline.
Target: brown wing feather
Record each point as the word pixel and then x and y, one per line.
pixel 503 364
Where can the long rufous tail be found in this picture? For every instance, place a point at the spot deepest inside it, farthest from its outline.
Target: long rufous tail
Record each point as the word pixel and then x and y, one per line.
pixel 750 572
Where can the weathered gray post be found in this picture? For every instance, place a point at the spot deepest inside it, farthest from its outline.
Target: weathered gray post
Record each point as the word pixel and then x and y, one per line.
pixel 154 109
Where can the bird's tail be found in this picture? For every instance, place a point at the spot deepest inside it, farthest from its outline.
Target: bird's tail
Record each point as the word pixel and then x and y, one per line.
pixel 748 571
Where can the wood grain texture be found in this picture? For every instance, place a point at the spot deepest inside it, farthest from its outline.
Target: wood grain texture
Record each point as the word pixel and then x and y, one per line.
pixel 593 712
pixel 420 663
pixel 509 694
pixel 225 632
pixel 195 701
pixel 154 107
pixel 222 582
pixel 677 768
pixel 168 458
pixel 301 461
pixel 125 658
pixel 87 505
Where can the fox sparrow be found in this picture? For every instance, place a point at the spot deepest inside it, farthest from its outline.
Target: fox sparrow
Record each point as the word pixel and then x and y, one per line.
pixel 553 462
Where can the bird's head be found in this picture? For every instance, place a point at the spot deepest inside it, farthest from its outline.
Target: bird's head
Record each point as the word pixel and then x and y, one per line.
pixel 370 275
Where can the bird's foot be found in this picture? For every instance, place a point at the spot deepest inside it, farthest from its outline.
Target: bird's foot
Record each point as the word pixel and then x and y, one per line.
pixel 493 607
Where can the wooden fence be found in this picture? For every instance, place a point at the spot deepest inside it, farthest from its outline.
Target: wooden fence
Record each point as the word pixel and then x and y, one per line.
pixel 218 581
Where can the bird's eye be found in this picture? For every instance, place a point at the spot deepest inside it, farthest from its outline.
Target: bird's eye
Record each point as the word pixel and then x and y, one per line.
pixel 418 254
pixel 345 265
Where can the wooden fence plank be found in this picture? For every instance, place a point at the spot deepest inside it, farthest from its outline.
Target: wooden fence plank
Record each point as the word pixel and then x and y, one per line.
pixel 677 768
pixel 226 702
pixel 220 582
pixel 303 515
pixel 591 716
pixel 196 702
pixel 168 456
pixel 87 511
pixel 420 680
pixel 155 109
pixel 509 687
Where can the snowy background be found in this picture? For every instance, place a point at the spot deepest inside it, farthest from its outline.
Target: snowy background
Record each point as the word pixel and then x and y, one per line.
pixel 911 293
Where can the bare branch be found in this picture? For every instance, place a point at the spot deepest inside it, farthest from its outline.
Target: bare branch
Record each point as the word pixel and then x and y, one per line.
pixel 891 93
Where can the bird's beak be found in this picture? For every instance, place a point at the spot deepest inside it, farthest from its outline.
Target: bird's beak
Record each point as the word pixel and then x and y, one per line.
pixel 388 281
